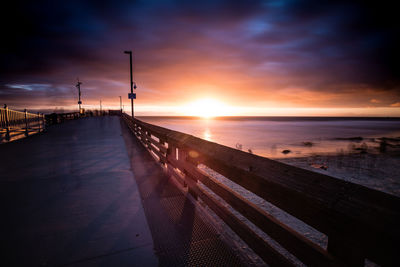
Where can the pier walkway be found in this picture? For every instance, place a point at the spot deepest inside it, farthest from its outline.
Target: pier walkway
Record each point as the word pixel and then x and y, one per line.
pixel 87 193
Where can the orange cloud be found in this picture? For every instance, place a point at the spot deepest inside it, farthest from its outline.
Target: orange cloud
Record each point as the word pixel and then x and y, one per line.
pixel 397 104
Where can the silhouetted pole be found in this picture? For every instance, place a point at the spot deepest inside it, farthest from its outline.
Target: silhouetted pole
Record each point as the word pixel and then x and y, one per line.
pixel 7 122
pixel 38 119
pixel 78 85
pixel 130 61
pixel 26 122
pixel 120 103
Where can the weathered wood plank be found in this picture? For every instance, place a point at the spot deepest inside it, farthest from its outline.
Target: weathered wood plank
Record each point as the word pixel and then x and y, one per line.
pixel 159 154
pixel 256 243
pixel 298 245
pixel 182 155
pixel 161 147
pixel 177 176
pixel 344 209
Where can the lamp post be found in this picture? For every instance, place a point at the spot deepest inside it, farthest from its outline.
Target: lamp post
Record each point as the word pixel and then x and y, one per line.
pixel 131 95
pixel 78 85
pixel 120 103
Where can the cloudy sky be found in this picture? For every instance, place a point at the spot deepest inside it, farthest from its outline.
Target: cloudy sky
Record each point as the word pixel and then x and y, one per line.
pixel 251 57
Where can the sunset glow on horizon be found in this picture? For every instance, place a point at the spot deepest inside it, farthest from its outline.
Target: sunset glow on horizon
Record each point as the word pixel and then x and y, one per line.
pixel 201 109
pixel 207 108
pixel 207 59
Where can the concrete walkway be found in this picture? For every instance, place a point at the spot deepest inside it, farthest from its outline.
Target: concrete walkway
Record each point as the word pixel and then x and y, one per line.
pixel 68 197
pixel 87 193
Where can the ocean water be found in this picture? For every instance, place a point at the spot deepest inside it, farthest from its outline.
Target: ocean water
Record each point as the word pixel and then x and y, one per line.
pixel 302 136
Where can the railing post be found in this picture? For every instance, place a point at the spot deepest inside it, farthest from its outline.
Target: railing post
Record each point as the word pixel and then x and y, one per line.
pixel 26 123
pixel 172 157
pixel 7 123
pixel 182 156
pixel 143 136
pixel 43 122
pixel 148 136
pixel 162 142
pixel 171 152
pixel 38 120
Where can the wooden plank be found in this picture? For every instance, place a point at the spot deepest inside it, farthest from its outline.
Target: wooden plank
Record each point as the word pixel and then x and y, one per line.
pixel 182 156
pixel 171 159
pixel 269 254
pixel 171 171
pixel 308 252
pixel 148 137
pixel 161 147
pixel 143 137
pixel 171 152
pixel 159 154
pixel 345 211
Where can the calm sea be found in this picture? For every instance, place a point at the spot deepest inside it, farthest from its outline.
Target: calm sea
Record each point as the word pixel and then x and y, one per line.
pixel 270 136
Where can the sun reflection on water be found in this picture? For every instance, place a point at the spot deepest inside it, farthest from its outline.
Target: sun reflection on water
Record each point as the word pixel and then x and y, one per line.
pixel 207 134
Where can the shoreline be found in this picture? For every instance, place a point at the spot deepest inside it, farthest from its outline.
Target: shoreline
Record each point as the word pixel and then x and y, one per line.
pixel 374 170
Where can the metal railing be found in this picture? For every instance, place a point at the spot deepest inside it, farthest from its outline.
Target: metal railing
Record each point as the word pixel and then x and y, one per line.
pixel 360 223
pixel 13 123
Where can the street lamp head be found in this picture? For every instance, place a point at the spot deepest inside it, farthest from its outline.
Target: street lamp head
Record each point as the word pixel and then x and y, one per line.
pixel 128 52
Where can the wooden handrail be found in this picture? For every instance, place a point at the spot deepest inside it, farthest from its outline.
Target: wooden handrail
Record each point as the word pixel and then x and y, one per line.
pixel 15 122
pixel 55 118
pixel 360 223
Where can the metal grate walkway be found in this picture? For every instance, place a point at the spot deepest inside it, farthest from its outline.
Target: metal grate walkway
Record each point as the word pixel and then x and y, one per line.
pixel 181 236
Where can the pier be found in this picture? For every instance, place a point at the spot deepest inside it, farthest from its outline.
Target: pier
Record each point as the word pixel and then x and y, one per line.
pixel 116 191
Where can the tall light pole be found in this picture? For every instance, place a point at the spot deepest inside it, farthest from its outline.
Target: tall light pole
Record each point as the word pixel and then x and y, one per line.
pixel 78 85
pixel 120 103
pixel 131 95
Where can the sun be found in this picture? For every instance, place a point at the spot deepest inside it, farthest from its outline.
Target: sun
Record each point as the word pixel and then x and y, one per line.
pixel 206 108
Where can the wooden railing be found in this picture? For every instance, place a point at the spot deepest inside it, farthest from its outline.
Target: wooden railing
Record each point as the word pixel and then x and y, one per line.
pixel 16 123
pixel 55 118
pixel 360 223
